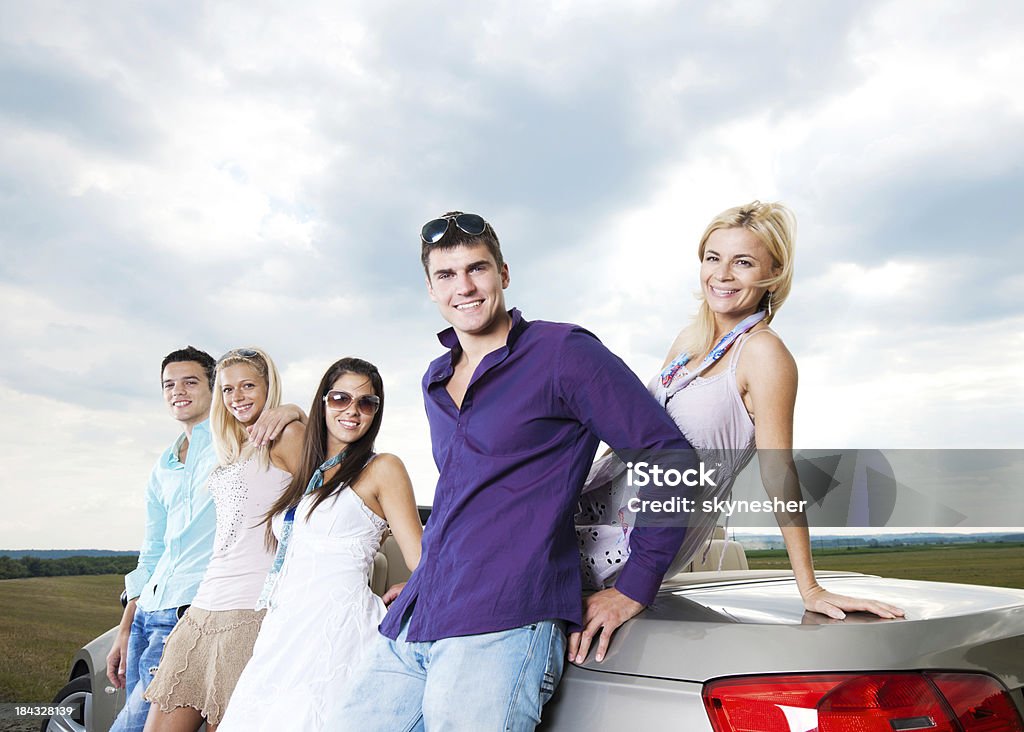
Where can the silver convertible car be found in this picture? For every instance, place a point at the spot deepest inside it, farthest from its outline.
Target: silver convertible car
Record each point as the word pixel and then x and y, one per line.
pixel 732 650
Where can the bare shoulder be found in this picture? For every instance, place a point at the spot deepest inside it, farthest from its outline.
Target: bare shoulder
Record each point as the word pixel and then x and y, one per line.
pixel 766 348
pixel 385 476
pixel 386 468
pixel 292 435
pixel 287 447
pixel 293 430
pixel 766 360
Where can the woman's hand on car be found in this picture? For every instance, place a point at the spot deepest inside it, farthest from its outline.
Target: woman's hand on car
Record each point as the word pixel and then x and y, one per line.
pixel 819 600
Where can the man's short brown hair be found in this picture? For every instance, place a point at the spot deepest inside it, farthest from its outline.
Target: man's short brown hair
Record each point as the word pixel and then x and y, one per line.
pixel 191 353
pixel 456 237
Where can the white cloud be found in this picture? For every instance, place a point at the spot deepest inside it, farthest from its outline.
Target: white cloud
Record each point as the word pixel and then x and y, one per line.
pixel 235 173
pixel 77 476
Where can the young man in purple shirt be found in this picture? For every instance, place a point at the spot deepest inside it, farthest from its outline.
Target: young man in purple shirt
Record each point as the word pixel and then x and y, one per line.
pixel 516 411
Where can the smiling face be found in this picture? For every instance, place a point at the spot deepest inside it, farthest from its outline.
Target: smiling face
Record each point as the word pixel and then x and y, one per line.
pixel 734 262
pixel 244 391
pixel 467 285
pixel 345 426
pixel 187 392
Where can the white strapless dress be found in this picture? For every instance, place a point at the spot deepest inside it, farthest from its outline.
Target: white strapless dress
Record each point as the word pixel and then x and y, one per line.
pixel 321 618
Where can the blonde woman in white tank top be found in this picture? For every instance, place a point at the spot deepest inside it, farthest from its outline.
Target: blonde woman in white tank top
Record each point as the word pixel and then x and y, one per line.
pixel 731 406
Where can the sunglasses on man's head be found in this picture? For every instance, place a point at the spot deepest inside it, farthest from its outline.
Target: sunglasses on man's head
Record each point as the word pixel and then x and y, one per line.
pixel 367 404
pixel 434 231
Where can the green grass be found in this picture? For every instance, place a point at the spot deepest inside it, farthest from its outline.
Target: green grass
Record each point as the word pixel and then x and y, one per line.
pixel 43 622
pixel 1000 565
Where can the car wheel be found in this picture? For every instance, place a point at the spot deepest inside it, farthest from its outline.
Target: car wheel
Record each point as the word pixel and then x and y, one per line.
pixel 77 692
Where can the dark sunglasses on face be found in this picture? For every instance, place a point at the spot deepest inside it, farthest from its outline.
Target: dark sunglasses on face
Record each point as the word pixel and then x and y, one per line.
pixel 434 231
pixel 367 404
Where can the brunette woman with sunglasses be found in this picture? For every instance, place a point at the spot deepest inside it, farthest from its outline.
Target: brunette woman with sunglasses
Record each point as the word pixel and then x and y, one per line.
pixel 328 525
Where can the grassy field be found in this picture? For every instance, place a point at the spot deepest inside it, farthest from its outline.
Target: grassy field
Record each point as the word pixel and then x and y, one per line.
pixel 43 622
pixel 999 565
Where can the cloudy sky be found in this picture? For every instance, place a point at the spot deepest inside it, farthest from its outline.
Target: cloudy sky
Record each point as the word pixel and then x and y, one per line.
pixel 228 174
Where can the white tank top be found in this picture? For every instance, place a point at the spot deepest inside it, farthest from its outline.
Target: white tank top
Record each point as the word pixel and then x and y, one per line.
pixel 243 492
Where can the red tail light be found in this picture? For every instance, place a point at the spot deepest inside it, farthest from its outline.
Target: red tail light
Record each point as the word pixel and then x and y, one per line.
pixel 887 702
pixel 979 702
pixel 884 703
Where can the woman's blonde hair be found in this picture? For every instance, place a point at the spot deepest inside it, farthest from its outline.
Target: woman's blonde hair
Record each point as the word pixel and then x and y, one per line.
pixel 229 436
pixel 775 226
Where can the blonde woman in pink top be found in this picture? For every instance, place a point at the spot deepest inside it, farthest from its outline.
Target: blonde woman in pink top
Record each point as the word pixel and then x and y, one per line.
pixel 729 383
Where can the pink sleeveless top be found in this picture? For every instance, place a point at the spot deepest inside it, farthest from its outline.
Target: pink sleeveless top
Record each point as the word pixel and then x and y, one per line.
pixel 243 493
pixel 710 411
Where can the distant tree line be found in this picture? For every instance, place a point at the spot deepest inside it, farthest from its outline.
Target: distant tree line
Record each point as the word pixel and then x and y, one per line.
pixel 35 567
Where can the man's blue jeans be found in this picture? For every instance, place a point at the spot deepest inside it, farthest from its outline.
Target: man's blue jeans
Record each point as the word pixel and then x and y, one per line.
pixel 478 683
pixel 145 646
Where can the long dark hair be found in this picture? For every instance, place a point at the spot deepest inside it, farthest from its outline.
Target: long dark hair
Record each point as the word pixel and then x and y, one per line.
pixel 314 448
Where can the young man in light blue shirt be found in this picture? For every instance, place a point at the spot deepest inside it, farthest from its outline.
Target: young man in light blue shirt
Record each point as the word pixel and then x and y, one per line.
pixel 180 526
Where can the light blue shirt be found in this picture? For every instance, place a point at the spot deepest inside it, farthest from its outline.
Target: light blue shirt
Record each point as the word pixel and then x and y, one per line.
pixel 180 525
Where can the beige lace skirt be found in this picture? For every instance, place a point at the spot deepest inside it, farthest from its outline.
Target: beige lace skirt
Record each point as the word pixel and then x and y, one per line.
pixel 203 657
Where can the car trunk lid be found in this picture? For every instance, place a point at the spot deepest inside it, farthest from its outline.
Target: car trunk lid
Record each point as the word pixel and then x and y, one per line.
pixel 707 625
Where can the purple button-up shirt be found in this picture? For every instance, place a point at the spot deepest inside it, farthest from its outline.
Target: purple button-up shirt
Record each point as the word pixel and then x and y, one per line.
pixel 499 550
